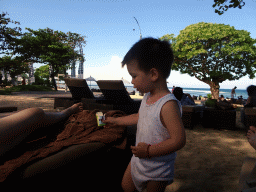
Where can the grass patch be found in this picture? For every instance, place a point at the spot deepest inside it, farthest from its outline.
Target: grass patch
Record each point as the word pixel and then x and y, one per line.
pixel 5 92
pixel 8 91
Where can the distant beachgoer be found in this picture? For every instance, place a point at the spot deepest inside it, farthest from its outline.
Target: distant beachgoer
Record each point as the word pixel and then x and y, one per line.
pixel 233 92
pixel 173 88
pixel 185 99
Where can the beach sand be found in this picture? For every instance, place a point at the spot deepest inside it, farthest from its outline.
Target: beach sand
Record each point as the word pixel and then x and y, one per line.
pixel 210 161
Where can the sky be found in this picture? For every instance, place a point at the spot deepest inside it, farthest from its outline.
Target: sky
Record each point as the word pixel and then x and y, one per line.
pixel 108 26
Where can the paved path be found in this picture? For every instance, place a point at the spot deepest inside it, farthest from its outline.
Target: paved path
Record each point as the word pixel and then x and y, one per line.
pixel 30 99
pixel 43 94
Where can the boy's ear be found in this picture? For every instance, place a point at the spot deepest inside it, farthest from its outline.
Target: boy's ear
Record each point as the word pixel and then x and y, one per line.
pixel 154 74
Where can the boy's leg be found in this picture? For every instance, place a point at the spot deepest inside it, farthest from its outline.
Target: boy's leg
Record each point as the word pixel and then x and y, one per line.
pixel 127 182
pixel 159 186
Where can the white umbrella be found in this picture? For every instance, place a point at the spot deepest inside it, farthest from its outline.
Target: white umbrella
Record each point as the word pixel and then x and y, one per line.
pixel 90 79
pixel 125 81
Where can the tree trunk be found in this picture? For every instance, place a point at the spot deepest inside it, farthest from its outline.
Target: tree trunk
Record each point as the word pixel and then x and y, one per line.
pixel 53 80
pixel 214 87
pixel 65 73
pixel 14 83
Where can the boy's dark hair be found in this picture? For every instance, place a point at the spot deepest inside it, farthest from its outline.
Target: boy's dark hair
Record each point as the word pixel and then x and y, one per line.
pixel 151 53
pixel 178 93
pixel 251 90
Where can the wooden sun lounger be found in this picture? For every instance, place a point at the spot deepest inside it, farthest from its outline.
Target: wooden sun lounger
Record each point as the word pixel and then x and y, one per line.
pixel 250 117
pixel 116 94
pixel 79 90
pixel 191 115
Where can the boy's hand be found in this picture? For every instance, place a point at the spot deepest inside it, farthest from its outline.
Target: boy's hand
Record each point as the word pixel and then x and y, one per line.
pixel 112 121
pixel 140 150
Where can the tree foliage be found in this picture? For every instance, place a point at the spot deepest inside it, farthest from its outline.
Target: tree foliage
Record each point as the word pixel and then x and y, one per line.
pixel 42 75
pixel 14 65
pixel 232 4
pixel 213 53
pixel 50 47
pixel 8 35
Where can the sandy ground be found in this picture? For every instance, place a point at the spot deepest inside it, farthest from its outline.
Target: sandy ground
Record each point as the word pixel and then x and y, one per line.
pixel 211 160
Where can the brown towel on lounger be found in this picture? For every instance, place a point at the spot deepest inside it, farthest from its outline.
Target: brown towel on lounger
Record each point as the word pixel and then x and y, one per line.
pixel 81 128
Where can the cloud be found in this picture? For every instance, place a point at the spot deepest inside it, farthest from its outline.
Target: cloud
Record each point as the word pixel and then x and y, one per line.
pixel 111 71
pixel 184 80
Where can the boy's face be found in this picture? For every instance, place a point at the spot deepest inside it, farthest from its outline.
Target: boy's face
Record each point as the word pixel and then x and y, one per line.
pixel 140 79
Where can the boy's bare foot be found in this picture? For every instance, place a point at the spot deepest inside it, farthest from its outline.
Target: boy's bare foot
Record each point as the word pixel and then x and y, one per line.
pixel 251 135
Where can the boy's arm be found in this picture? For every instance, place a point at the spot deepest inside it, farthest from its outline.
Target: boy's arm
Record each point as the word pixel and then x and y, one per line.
pixel 172 119
pixel 130 119
pixel 125 120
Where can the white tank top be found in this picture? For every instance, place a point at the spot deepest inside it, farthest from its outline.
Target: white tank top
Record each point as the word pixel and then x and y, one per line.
pixel 150 130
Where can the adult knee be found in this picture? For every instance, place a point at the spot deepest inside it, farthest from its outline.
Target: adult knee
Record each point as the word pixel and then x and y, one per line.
pixel 35 115
pixel 35 112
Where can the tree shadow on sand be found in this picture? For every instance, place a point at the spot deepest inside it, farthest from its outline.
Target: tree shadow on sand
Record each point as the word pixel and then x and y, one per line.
pixel 211 160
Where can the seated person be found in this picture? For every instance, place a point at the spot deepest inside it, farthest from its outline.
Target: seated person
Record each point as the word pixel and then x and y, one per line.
pixel 221 98
pixel 251 101
pixel 240 100
pixel 185 99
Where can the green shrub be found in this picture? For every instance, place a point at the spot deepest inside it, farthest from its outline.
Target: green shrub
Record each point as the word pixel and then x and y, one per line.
pixel 28 88
pixel 5 92
pixel 210 102
pixel 209 96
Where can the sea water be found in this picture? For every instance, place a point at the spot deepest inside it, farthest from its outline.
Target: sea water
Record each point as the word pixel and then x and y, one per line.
pixel 225 92
pixel 197 91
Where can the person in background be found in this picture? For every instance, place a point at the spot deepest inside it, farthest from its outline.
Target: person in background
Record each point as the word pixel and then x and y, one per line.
pixel 251 101
pixel 240 100
pixel 173 88
pixel 185 99
pixel 23 81
pixel 233 92
pixel 221 98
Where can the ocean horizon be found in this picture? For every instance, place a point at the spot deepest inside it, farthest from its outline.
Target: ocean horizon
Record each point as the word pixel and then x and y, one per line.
pixel 196 91
pixel 192 91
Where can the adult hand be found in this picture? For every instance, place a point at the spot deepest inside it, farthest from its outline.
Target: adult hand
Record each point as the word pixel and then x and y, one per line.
pixel 140 150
